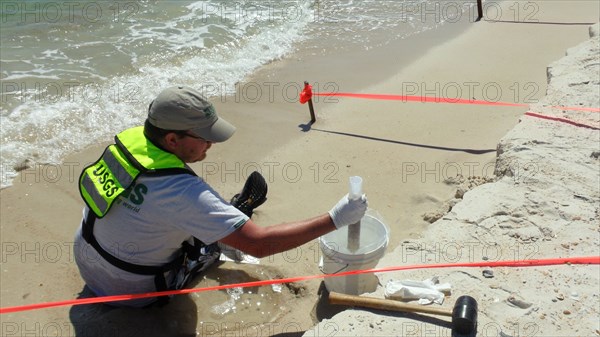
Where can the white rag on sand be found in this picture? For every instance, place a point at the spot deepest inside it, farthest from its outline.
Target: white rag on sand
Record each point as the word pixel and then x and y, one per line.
pixel 427 292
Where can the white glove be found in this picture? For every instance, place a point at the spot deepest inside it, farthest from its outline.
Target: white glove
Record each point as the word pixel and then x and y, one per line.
pixel 347 212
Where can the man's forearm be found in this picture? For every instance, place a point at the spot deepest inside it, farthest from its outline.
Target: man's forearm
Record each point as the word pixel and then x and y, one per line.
pixel 264 241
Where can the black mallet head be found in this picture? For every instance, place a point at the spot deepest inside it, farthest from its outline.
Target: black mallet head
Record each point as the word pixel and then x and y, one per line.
pixel 464 315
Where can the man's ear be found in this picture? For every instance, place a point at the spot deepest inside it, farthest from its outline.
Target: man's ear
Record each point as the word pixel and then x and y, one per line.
pixel 171 140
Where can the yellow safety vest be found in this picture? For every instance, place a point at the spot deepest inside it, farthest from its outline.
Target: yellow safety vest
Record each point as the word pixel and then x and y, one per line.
pixel 120 165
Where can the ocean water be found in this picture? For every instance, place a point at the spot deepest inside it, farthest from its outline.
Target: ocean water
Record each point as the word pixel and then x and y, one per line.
pixel 74 73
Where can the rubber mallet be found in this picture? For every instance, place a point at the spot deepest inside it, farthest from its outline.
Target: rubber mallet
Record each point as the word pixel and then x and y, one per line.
pixel 464 313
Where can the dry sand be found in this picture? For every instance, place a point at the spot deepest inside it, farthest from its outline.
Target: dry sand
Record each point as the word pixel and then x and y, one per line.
pixel 544 203
pixel 404 168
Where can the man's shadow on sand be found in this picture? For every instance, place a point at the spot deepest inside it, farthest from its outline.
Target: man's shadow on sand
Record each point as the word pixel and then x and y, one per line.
pixel 177 318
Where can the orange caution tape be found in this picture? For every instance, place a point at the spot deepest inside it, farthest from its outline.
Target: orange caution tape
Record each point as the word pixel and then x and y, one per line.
pixel 428 99
pixel 489 264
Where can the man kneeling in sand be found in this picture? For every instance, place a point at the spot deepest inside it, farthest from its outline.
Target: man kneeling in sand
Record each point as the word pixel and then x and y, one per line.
pixel 151 224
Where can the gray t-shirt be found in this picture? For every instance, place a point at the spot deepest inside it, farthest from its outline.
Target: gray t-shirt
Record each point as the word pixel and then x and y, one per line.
pixel 147 225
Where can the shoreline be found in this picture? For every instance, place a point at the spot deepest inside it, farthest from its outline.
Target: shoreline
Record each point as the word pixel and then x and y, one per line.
pixel 41 210
pixel 52 210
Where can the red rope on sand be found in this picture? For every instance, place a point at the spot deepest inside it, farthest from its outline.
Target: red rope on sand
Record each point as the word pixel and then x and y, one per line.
pixel 489 264
pixel 426 99
pixel 423 99
pixel 562 120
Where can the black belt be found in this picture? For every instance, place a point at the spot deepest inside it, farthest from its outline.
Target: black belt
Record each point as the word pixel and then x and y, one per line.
pixel 87 233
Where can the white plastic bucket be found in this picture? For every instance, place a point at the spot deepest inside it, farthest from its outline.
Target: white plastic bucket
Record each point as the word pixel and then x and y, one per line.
pixel 337 258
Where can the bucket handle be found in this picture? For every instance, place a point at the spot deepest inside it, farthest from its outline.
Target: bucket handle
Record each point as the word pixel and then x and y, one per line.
pixel 322 271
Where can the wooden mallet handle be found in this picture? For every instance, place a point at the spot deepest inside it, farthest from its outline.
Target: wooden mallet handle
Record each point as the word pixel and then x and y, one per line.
pixel 383 304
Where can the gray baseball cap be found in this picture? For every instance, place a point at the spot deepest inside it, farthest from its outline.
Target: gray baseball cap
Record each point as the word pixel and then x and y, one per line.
pixel 183 108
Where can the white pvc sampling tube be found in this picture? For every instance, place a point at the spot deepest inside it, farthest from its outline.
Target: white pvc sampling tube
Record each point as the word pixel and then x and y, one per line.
pixel 354 229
